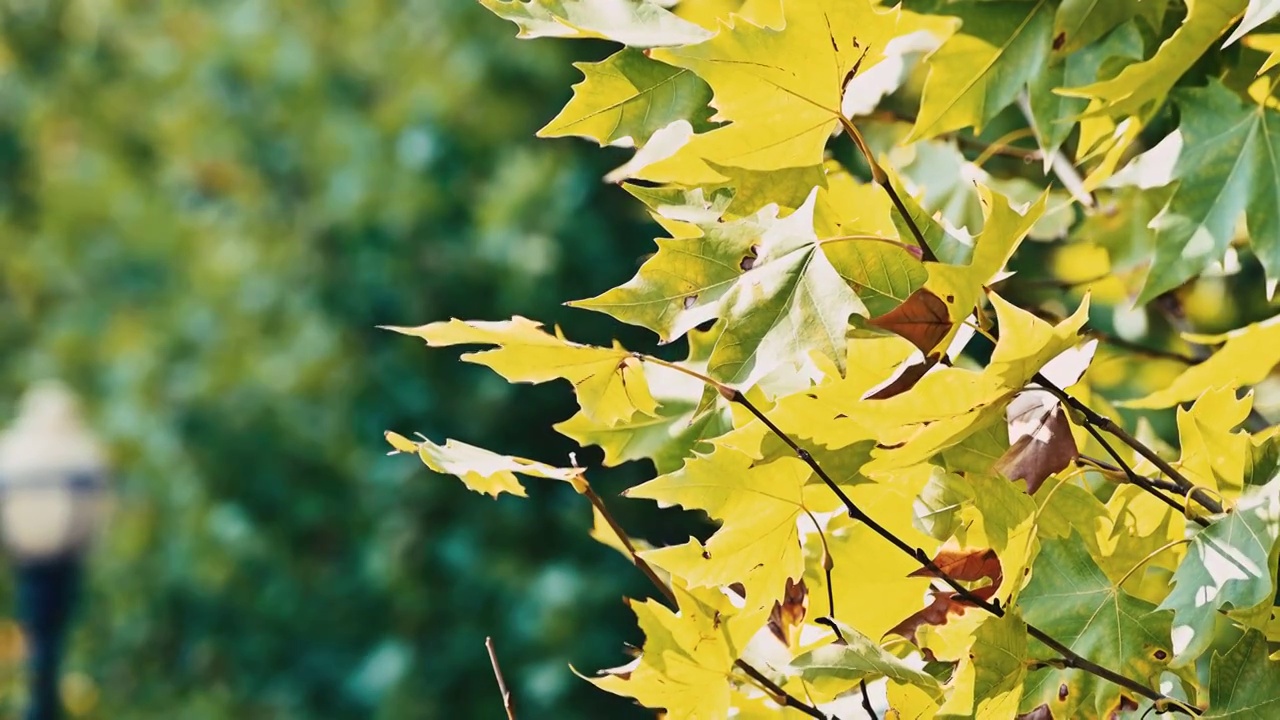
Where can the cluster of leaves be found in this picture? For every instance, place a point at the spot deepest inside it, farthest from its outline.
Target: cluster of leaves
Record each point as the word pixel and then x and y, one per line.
pixel 925 502
pixel 205 208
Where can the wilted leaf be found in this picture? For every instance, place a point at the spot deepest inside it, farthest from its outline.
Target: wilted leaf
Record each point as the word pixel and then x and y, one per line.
pixel 639 23
pixel 923 319
pixel 1040 440
pixel 480 470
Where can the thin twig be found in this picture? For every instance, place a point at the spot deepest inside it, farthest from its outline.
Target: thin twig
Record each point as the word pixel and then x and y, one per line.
pixel 1061 164
pixel 882 179
pixel 782 697
pixel 1185 487
pixel 866 700
pixel 598 503
pixel 507 701
pixel 1139 480
pixel 1106 467
pixel 1025 154
pixel 1069 658
pixel 828 564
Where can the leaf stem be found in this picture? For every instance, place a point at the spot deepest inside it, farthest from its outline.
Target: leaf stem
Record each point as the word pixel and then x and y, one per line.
pixel 828 564
pixel 881 178
pixel 1069 657
pixel 508 703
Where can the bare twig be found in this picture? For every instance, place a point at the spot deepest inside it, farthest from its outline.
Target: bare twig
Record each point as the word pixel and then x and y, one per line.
pixel 882 179
pixel 598 503
pixel 1061 164
pixel 782 697
pixel 507 701
pixel 1109 426
pixel 1106 467
pixel 866 700
pixel 1140 480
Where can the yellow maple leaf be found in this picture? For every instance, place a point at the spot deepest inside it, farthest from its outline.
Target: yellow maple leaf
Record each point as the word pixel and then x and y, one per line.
pixel 688 657
pixel 779 89
pixel 610 382
pixel 758 544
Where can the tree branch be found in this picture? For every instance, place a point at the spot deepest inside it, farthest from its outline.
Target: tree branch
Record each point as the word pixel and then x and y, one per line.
pixel 866 700
pixel 507 702
pixel 1069 657
pixel 1140 480
pixel 1185 487
pixel 882 179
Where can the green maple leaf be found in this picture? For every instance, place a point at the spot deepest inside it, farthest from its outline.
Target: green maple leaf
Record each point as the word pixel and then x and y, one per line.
pixel 1243 682
pixel 1071 599
pixel 1230 563
pixel 979 70
pixel 1229 166
pixel 776 283
pixel 834 669
pixel 1079 23
pixel 628 95
pixel 1052 114
pixel 638 23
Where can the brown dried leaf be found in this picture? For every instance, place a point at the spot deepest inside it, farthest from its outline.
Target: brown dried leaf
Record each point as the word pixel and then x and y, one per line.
pixel 923 319
pixel 1041 440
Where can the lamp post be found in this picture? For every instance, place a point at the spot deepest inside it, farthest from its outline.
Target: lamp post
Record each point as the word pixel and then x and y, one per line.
pixel 52 502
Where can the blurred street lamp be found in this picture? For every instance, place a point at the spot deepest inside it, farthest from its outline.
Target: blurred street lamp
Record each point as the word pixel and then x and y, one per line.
pixel 52 502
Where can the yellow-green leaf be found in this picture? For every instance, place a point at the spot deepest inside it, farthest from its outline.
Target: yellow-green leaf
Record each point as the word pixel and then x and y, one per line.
pixel 629 96
pixel 780 90
pixel 1246 358
pixel 609 382
pixel 688 657
pixel 481 470
pixel 979 70
pixel 638 23
pixel 758 505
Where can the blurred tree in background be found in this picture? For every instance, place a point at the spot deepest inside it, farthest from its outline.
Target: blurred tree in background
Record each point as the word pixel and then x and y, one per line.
pixel 205 209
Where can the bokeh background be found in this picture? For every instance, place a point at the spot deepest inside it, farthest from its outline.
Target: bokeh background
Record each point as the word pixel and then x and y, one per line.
pixel 206 208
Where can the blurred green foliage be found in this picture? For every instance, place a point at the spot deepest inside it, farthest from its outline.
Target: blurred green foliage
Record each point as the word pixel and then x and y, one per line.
pixel 205 209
